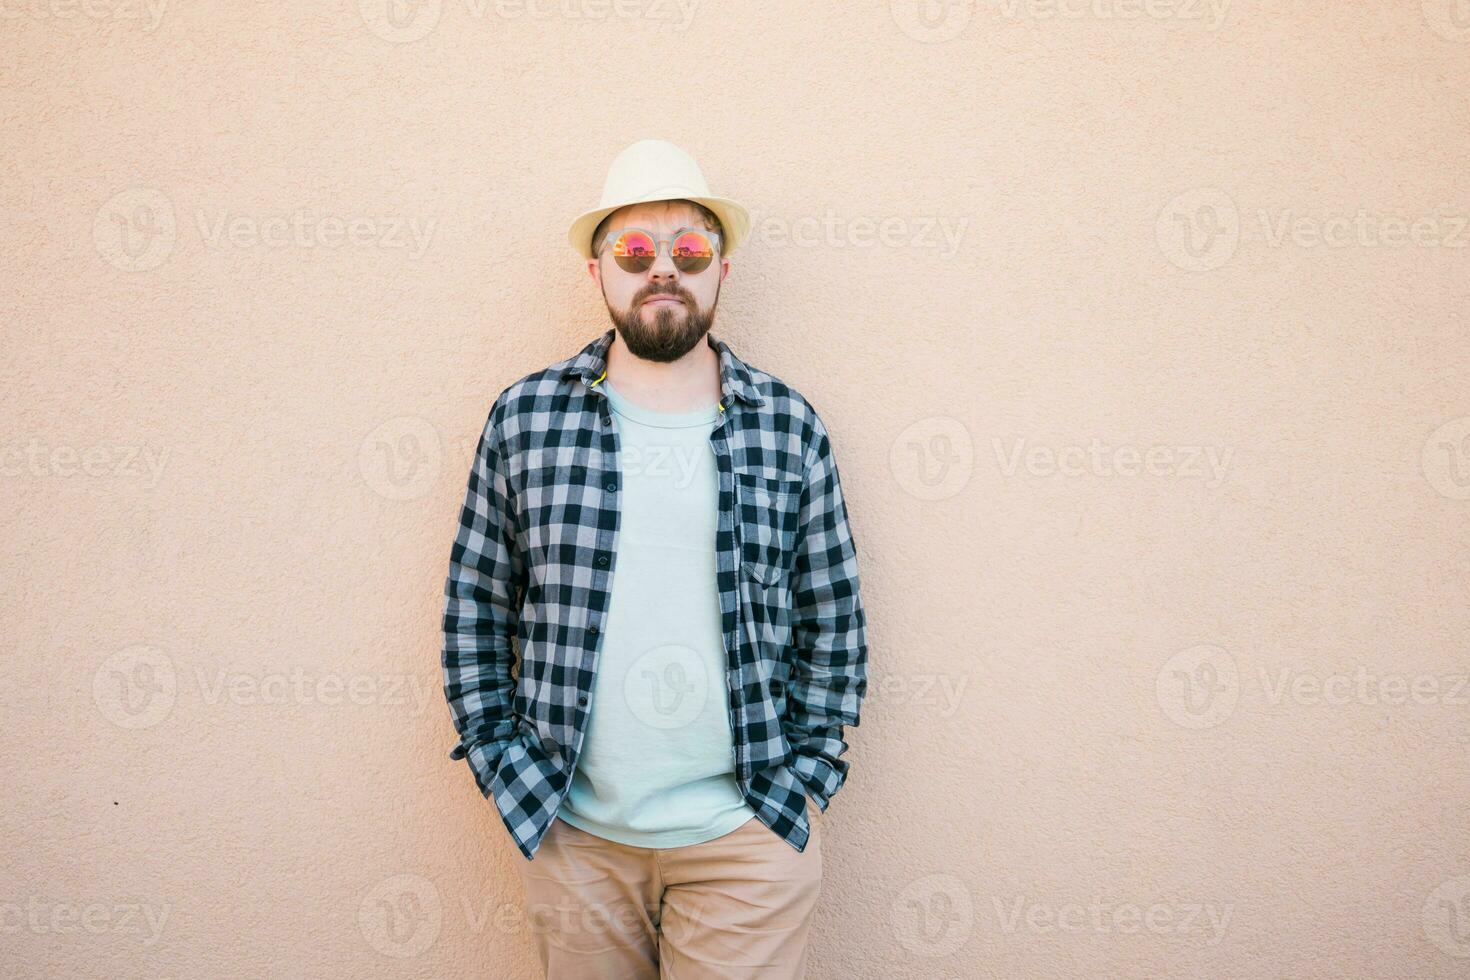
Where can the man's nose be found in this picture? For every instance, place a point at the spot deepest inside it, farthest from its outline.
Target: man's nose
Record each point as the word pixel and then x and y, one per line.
pixel 663 267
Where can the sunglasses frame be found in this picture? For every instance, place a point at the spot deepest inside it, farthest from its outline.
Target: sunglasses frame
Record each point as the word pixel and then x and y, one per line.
pixel 659 242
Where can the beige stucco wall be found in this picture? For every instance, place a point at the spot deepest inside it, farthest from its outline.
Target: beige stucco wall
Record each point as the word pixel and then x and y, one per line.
pixel 1141 333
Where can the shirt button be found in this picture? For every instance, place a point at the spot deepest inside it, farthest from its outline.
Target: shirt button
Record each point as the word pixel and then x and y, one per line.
pixel 582 699
pixel 611 487
pixel 602 559
pixel 592 628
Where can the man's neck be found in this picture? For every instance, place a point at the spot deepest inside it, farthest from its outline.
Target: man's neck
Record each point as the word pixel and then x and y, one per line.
pixel 688 384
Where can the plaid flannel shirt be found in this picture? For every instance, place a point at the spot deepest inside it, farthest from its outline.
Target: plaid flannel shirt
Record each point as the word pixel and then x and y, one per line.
pixel 533 562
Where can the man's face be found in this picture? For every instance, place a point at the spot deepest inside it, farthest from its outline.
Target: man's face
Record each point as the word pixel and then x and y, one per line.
pixel 662 313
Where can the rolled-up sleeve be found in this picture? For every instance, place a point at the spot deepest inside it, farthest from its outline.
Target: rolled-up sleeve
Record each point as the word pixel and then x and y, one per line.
pixel 481 612
pixel 829 634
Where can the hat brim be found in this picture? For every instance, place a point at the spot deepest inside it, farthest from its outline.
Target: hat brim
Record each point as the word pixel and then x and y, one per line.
pixel 734 219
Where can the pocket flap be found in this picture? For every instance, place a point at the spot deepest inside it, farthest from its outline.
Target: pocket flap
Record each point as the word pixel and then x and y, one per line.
pixel 762 573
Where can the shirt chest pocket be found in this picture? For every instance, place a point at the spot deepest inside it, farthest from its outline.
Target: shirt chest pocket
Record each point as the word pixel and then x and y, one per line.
pixel 768 510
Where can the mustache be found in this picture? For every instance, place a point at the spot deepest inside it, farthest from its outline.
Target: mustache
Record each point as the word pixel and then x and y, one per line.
pixel 675 292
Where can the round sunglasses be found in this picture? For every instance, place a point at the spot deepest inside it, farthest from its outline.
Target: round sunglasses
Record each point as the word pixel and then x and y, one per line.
pixel 636 249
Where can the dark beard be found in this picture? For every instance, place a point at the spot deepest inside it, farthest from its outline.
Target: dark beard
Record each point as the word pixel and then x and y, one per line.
pixel 668 339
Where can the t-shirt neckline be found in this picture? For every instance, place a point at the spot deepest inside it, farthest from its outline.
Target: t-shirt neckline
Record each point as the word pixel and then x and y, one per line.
pixel 648 416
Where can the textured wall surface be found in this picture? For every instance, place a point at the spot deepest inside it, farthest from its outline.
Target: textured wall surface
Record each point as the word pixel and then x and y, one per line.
pixel 1140 329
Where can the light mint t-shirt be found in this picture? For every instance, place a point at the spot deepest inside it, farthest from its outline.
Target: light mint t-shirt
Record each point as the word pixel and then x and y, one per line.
pixel 657 767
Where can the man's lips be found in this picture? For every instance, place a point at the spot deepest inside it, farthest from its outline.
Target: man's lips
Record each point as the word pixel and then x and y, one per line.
pixel 664 299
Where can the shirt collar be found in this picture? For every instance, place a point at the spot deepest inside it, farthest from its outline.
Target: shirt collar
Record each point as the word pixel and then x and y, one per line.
pixel 735 381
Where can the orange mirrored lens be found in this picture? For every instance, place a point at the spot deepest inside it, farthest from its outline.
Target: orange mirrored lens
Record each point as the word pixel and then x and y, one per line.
pixel 693 252
pixel 634 251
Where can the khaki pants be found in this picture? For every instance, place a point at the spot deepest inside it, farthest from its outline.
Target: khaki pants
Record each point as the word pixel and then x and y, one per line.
pixel 739 906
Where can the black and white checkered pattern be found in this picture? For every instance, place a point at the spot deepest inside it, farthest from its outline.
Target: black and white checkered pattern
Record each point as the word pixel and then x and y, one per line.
pixel 532 569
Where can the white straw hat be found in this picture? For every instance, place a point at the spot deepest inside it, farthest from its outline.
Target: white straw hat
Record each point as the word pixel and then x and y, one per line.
pixel 657 170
